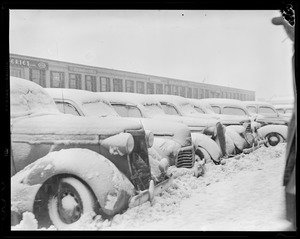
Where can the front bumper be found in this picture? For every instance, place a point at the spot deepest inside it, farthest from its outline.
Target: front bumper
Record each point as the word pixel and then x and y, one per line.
pixel 148 194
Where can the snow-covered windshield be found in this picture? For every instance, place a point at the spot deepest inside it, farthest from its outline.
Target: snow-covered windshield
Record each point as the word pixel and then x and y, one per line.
pixel 153 109
pixel 98 108
pixel 127 110
pixel 169 109
pixel 233 111
pixel 188 109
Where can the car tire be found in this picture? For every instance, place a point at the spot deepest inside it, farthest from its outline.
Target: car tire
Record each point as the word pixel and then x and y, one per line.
pixel 272 139
pixel 65 204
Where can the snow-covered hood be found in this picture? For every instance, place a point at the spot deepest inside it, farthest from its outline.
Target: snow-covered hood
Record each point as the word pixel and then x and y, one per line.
pixel 69 124
pixel 189 121
pixel 176 131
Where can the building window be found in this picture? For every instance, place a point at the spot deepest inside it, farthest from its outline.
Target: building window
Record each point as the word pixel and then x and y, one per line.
pixel 140 87
pixel 212 94
pixel 150 88
pixel 57 79
pixel 201 95
pixel 159 89
pixel 90 83
pixel 129 85
pixel 182 91
pixel 118 85
pixel 195 93
pixel 206 93
pixel 74 81
pixel 189 92
pixel 104 84
pixel 16 72
pixel 168 89
pixel 175 90
pixel 38 77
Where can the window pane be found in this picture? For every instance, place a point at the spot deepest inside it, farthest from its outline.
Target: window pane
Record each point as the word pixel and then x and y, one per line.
pixel 233 111
pixel 168 89
pixel 252 109
pixel 129 85
pixel 140 87
pixel 150 88
pixel 15 72
pixel 57 79
pixel 67 108
pixel 121 110
pixel 170 110
pixel 118 85
pixel 134 112
pixel 90 83
pixel 216 109
pixel 266 110
pixel 159 89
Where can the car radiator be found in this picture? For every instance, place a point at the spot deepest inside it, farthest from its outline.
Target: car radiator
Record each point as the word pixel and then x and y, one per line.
pixel 185 157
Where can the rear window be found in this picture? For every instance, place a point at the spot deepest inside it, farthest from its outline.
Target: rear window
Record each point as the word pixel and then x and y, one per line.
pixel 216 109
pixel 266 110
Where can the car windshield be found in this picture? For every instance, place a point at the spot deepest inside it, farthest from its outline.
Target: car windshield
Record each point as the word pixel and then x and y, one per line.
pixel 188 109
pixel 169 109
pixel 127 110
pixel 251 109
pixel 98 108
pixel 216 109
pixel 199 110
pixel 154 109
pixel 233 111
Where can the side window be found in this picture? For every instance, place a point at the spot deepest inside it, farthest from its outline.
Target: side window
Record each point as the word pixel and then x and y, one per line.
pixel 233 111
pixel 216 109
pixel 121 110
pixel 67 108
pixel 252 109
pixel 281 111
pixel 266 110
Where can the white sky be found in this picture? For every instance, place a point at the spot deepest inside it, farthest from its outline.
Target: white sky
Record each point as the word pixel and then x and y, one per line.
pixel 239 49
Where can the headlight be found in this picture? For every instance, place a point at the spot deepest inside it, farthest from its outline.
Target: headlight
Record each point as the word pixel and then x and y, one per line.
pixel 149 138
pixel 121 144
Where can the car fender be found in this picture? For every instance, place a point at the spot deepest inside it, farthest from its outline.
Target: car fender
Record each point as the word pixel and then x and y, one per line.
pixel 235 133
pixel 111 187
pixel 280 129
pixel 204 141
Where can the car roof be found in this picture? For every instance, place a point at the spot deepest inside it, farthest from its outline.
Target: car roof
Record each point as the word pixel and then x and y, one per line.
pixel 257 103
pixel 175 99
pixel 223 101
pixel 128 97
pixel 76 95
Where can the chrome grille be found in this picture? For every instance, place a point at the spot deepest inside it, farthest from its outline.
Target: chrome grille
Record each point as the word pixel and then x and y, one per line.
pixel 185 158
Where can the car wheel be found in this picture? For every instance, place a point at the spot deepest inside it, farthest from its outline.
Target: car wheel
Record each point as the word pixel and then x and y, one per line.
pixel 272 139
pixel 66 202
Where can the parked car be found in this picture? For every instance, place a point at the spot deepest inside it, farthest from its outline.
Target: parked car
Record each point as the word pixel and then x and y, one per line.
pixel 64 166
pixel 145 106
pixel 285 110
pixel 180 106
pixel 272 134
pixel 265 113
pixel 172 141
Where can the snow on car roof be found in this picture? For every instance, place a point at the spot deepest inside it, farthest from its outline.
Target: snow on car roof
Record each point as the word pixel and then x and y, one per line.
pixel 175 99
pixel 76 95
pixel 284 106
pixel 27 98
pixel 198 102
pixel 257 103
pixel 223 101
pixel 131 98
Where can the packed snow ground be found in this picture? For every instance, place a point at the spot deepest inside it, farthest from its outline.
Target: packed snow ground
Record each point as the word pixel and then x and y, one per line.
pixel 244 194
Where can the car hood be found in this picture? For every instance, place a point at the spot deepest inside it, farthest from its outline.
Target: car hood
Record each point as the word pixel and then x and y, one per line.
pixel 161 128
pixel 57 124
pixel 189 121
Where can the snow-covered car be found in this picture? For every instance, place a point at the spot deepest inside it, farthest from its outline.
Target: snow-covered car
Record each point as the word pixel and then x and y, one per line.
pixel 172 141
pixel 64 166
pixel 146 106
pixel 272 134
pixel 285 110
pixel 265 113
pixel 180 106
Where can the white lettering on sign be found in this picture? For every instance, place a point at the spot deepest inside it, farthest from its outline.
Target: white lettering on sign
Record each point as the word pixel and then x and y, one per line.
pixel 19 62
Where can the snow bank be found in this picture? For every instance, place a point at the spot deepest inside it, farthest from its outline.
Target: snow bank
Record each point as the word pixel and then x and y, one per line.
pixel 244 194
